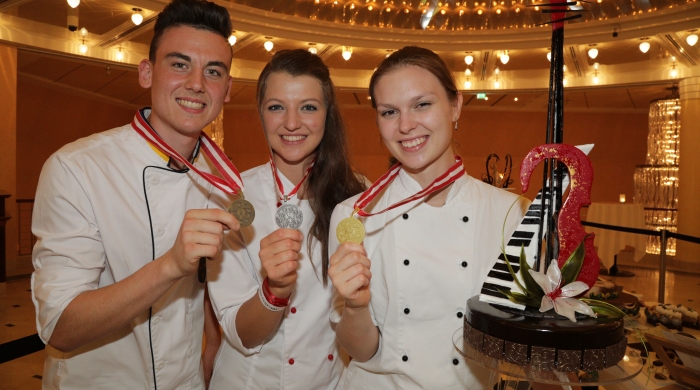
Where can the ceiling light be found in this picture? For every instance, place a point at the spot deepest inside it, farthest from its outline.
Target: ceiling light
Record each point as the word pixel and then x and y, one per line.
pixel 486 98
pixel 564 81
pixel 83 32
pixel 596 65
pixel 469 59
pixel 82 47
pixel 692 39
pixel 515 99
pixel 549 56
pixel 120 54
pixel 347 52
pixel 674 71
pixel 268 44
pixel 136 17
pixel 593 53
pixel 644 46
pixel 479 12
pixel 468 72
pixel 505 57
pixel 467 84
pixel 497 84
pixel 496 71
pixel 565 68
pixel 232 40
pixel 312 48
pixel 596 80
pixel 73 3
pixel 498 11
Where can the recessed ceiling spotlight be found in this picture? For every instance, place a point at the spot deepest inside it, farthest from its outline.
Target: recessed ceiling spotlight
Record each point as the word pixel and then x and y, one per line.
pixel 268 45
pixel 232 40
pixel 136 17
pixel 593 52
pixel 73 3
pixel 692 39
pixel 469 59
pixel 644 46
pixel 312 48
pixel 347 52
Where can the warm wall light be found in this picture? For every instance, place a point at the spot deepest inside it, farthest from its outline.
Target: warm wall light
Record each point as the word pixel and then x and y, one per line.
pixel 468 72
pixel 593 53
pixel 623 198
pixel 136 17
pixel 73 3
pixel 232 40
pixel 120 54
pixel 549 56
pixel 82 47
pixel 644 46
pixel 468 59
pixel 347 52
pixel 505 57
pixel 467 84
pixel 268 45
pixel 674 71
pixel 84 33
pixel 692 39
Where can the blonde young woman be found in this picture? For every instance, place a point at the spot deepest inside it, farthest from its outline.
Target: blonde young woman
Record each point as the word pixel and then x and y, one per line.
pixel 402 293
pixel 273 301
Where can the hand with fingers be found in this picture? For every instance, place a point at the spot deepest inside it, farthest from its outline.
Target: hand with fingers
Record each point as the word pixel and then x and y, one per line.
pixel 279 255
pixel 201 235
pixel 350 272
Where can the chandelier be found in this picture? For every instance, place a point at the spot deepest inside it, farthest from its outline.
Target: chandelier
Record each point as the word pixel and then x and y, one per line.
pixel 656 182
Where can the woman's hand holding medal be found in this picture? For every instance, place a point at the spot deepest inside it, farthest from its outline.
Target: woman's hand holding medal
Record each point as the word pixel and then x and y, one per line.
pixel 279 255
pixel 350 272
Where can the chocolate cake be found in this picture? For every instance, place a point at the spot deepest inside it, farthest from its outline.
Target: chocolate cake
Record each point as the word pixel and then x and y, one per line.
pixel 541 342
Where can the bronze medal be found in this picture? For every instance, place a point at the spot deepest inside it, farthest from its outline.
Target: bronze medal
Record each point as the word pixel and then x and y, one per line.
pixel 243 211
pixel 350 230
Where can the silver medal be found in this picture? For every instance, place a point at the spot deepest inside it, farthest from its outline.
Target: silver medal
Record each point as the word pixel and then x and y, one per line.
pixel 289 216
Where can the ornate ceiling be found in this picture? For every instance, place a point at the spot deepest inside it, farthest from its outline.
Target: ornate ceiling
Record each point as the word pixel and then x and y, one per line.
pixel 484 30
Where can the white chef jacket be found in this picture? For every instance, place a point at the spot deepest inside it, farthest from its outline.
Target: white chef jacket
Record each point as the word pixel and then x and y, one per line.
pixel 303 353
pixel 106 205
pixel 426 262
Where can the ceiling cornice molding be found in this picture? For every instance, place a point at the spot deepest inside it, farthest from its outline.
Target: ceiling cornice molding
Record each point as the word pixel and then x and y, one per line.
pixel 274 24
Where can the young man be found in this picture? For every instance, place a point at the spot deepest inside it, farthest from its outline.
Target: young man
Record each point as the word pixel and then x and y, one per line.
pixel 121 226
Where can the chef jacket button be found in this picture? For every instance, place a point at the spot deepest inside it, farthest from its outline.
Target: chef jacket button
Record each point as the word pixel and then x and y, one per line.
pixel 405 216
pixel 406 311
pixel 455 362
pixel 406 262
pixel 464 264
pixel 156 320
pixel 404 358
pixel 155 180
pixel 330 357
pixel 465 219
pixel 293 310
pixel 291 361
pixel 459 314
pixel 189 352
pixel 160 366
pixel 160 231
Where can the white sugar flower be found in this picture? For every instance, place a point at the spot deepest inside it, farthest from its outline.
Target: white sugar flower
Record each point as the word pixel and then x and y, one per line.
pixel 560 297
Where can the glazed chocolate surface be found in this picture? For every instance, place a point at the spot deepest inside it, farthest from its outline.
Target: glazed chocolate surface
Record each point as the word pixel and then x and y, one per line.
pixel 587 333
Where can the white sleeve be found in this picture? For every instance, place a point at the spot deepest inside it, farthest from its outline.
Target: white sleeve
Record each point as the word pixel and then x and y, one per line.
pixel 69 255
pixel 232 280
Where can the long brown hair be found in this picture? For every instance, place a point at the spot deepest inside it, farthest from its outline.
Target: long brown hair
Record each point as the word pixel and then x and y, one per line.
pixel 332 180
pixel 422 58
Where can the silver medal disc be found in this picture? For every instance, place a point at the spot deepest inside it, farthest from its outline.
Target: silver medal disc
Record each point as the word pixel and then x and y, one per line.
pixel 289 216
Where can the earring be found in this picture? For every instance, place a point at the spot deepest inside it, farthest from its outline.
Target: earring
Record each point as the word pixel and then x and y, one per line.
pixel 456 123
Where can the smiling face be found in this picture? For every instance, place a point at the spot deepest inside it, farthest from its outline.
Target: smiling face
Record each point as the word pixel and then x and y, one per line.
pixel 293 112
pixel 415 119
pixel 189 81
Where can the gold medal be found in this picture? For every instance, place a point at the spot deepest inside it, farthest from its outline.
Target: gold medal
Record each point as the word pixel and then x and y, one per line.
pixel 350 230
pixel 243 211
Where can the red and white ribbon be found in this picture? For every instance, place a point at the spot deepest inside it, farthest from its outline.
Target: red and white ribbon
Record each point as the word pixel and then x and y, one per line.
pixel 280 187
pixel 453 173
pixel 231 182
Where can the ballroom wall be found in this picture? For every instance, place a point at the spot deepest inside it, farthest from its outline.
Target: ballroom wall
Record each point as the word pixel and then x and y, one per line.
pixel 620 140
pixel 48 118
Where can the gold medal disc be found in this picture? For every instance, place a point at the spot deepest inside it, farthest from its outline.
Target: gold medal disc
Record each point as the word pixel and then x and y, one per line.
pixel 243 211
pixel 350 230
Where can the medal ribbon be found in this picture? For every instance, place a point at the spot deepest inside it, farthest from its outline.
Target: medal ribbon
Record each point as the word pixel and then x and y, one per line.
pixel 453 173
pixel 280 187
pixel 231 182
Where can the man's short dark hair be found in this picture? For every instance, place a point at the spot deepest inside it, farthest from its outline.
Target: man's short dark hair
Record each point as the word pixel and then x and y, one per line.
pixel 199 14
